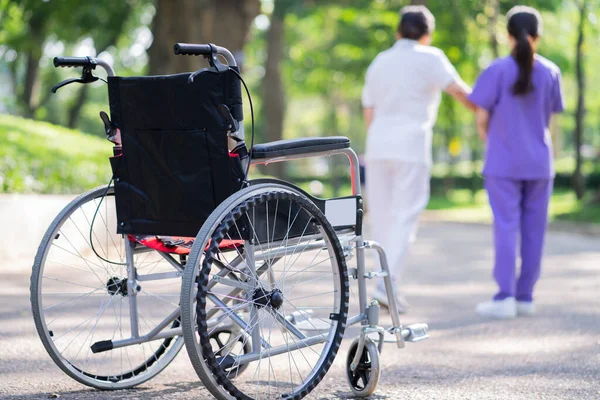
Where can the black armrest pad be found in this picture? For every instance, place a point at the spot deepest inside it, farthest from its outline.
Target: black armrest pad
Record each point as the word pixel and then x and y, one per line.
pixel 290 147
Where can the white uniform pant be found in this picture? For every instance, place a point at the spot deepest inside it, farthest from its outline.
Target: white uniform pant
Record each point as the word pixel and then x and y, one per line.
pixel 397 193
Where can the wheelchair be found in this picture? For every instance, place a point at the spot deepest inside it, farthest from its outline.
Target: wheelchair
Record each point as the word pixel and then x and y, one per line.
pixel 181 248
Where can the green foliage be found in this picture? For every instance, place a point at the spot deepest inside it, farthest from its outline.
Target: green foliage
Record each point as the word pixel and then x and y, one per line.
pixel 44 158
pixel 461 205
pixel 331 44
pixel 328 47
pixel 30 29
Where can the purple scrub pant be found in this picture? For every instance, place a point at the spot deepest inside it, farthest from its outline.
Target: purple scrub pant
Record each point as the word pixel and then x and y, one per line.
pixel 520 207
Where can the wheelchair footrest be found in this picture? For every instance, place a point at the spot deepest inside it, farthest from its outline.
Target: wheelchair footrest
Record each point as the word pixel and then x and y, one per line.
pixel 415 332
pixel 299 316
pixel 411 333
pixel 313 325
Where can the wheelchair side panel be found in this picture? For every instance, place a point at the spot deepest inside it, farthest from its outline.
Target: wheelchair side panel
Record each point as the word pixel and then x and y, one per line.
pixel 342 212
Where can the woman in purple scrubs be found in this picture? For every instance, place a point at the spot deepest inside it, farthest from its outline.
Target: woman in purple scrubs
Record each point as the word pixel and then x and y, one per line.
pixel 516 96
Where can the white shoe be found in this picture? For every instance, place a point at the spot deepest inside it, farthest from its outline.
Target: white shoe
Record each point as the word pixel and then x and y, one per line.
pixel 525 308
pixel 382 299
pixel 501 309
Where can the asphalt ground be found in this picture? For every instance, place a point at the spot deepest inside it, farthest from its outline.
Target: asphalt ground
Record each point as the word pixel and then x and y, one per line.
pixel 554 355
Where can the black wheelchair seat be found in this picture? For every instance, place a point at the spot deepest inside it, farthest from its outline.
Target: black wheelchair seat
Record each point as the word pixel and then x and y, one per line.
pixel 290 147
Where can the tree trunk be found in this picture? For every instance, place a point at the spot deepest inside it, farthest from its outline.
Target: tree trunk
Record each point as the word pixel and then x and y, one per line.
pixel 273 93
pixel 495 6
pixel 578 179
pixel 32 64
pixel 222 22
pixel 32 67
pixel 101 46
pixel 77 106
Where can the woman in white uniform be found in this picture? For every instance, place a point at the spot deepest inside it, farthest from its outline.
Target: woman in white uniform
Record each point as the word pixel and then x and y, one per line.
pixel 401 97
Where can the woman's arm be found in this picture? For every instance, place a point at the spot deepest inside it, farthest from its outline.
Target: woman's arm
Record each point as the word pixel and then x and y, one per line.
pixel 461 91
pixel 368 114
pixel 482 119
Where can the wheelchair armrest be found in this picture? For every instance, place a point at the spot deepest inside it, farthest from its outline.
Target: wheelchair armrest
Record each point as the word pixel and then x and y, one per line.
pixel 295 147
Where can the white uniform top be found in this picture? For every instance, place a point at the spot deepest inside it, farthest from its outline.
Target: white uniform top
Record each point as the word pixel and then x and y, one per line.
pixel 403 85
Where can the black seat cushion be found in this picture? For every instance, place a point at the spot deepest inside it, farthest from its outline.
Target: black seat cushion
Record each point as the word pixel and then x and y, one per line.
pixel 291 147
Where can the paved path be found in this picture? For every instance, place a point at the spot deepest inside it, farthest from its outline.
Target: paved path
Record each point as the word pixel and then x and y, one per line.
pixel 555 355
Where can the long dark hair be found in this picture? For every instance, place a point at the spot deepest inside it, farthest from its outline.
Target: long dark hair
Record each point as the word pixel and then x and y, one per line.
pixel 523 22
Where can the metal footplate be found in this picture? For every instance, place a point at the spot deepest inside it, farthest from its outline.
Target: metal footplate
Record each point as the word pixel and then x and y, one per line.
pixel 411 333
pixel 415 332
pixel 302 319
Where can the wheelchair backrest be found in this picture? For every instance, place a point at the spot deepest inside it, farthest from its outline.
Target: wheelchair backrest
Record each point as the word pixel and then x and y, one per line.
pixel 175 167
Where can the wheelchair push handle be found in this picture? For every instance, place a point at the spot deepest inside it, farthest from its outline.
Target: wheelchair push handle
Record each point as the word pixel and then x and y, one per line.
pixel 88 64
pixel 85 62
pixel 189 49
pixel 207 50
pixel 70 62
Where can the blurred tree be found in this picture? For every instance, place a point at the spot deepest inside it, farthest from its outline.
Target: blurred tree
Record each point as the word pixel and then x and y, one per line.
pixel 273 102
pixel 24 25
pixel 493 8
pixel 103 40
pixel 578 179
pixel 27 25
pixel 322 48
pixel 223 22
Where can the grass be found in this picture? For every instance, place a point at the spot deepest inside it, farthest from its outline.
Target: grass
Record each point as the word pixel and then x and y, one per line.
pixel 460 205
pixel 38 157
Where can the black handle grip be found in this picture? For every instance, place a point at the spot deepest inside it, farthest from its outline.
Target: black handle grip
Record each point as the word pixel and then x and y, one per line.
pixel 189 49
pixel 73 62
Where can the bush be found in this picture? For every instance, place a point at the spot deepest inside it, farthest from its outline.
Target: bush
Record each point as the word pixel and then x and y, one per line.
pixel 562 181
pixel 441 184
pixel 38 157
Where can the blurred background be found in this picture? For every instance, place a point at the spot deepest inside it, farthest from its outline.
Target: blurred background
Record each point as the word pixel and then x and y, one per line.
pixel 304 61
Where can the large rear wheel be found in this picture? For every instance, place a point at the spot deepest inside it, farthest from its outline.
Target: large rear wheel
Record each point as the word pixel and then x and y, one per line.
pixel 79 297
pixel 283 284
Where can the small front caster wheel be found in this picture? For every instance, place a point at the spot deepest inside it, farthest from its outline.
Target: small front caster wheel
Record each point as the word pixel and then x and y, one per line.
pixel 229 343
pixel 363 380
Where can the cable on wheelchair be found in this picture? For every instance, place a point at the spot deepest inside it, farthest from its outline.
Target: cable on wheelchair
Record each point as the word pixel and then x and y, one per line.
pixel 92 227
pixel 251 118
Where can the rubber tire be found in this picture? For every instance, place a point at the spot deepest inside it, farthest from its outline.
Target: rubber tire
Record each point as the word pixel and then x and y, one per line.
pixel 375 372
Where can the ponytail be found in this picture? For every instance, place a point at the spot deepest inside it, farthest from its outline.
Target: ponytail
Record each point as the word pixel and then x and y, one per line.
pixel 524 23
pixel 523 54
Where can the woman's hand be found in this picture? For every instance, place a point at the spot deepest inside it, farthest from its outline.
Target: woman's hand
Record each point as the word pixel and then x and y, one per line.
pixel 482 119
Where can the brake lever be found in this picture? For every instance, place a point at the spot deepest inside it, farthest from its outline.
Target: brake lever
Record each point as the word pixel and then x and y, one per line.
pixel 216 65
pixel 86 77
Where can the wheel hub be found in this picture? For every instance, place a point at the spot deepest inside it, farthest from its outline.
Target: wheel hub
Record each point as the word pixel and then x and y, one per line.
pixel 273 299
pixel 117 286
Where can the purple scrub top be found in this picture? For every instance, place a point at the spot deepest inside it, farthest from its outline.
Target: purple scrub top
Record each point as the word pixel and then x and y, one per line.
pixel 519 145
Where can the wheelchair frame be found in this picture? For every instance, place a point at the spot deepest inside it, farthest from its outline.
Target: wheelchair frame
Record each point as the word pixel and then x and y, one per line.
pixel 367 315
pixel 352 241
